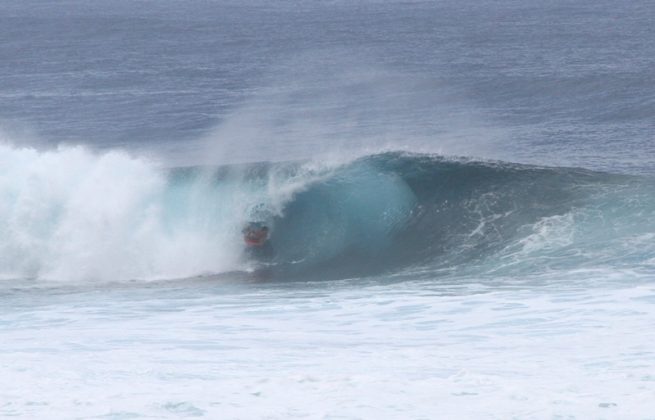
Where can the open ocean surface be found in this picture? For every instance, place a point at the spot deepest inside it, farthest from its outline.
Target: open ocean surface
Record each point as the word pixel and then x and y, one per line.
pixel 461 196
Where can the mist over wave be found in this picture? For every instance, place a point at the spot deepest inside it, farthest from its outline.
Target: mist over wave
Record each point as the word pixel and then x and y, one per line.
pixel 70 214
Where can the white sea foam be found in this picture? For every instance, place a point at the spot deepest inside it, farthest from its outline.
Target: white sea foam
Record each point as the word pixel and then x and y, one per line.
pixel 70 214
pixel 573 349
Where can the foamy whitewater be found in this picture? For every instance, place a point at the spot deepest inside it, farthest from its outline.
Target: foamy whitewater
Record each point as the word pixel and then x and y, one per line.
pixel 460 197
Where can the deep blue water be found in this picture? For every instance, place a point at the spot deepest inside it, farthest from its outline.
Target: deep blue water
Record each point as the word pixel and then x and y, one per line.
pixel 549 81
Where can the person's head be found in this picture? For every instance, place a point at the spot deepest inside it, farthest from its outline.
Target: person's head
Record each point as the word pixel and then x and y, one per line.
pixel 255 233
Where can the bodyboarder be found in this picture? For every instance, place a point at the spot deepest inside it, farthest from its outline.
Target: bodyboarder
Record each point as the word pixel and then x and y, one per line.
pixel 258 244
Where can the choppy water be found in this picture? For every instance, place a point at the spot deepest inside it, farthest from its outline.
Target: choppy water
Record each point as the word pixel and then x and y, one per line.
pixel 460 197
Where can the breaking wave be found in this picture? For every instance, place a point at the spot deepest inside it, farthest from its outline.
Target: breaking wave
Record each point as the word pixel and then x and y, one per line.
pixel 70 214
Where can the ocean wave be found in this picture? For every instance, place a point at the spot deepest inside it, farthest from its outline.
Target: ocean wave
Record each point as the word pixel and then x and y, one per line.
pixel 70 214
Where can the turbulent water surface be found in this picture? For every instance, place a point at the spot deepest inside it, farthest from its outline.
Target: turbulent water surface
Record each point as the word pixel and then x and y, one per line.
pixel 460 197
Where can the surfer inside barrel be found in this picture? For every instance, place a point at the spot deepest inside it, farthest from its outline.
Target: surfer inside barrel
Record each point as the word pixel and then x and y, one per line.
pixel 256 238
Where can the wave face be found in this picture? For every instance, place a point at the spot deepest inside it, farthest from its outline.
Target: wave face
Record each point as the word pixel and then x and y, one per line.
pixel 73 215
pixel 394 212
